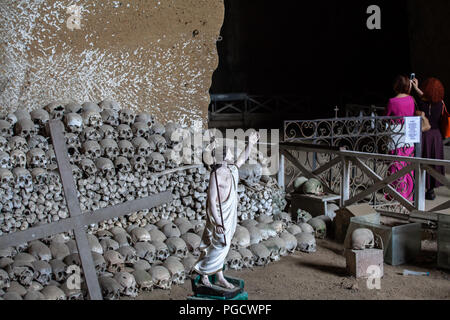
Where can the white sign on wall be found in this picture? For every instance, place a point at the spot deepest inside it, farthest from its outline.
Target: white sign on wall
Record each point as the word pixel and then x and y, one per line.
pixel 413 130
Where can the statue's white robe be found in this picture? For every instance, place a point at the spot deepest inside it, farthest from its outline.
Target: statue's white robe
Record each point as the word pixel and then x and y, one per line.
pixel 213 250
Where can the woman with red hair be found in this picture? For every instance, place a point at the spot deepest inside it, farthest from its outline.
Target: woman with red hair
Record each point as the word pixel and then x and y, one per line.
pixel 431 103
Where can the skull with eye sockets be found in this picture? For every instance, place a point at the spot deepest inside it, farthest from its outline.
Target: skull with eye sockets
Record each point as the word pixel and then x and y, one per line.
pixel 110 148
pixel 127 117
pixel 126 149
pixel 55 110
pixel 125 132
pixel 92 149
pixel 74 122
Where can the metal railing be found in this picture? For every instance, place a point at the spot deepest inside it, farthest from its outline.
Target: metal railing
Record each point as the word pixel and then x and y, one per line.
pixel 345 159
pixel 380 135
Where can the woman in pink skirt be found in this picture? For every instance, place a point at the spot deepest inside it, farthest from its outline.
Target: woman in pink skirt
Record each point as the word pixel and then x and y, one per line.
pixel 403 105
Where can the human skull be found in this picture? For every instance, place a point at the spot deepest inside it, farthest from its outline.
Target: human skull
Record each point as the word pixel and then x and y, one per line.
pixel 106 167
pixel 25 128
pixel 255 234
pixel 122 165
pixel 73 107
pixel 142 147
pixel 159 142
pixel 126 149
pixel 23 177
pixel 176 270
pixel 110 148
pixel 306 228
pixel 36 158
pixel 11 118
pixel 92 149
pixel 74 122
pixel 5 281
pixel 234 260
pixel 313 186
pixel 172 159
pixel 6 129
pixel 110 288
pixel 40 176
pixel 43 271
pixel 171 230
pixel 320 228
pixel 88 166
pixel 157 235
pixel 306 242
pixel 303 216
pixel 92 119
pixel 5 160
pixel 38 142
pixel 156 162
pixel 143 279
pixel 162 251
pixel 127 117
pixel 53 293
pixel 261 254
pixel 140 129
pixel 109 244
pixel 4 145
pixel 250 173
pixel 241 238
pixel 129 253
pixel 90 107
pixel 177 247
pixel 6 178
pixel 192 242
pixel 140 235
pixel 58 269
pixel 146 251
pixel 59 250
pixel 110 117
pixel 55 110
pixel 109 132
pixel 18 143
pixel 128 283
pixel 90 133
pixel 158 128
pixel 145 117
pixel 290 240
pixel 139 163
pixel 267 231
pixel 40 117
pixel 125 132
pixel 114 261
pixel 363 239
pixel 161 277
pixel 299 182
pixel 122 238
pixel 18 159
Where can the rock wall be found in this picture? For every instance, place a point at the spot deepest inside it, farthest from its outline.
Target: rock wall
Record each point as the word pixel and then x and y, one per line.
pixel 154 56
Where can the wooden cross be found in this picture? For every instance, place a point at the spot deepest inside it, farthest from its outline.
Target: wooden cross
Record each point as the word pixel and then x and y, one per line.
pixel 77 221
pixel 336 110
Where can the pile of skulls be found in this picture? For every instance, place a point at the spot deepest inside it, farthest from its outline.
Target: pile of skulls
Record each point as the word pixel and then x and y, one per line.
pixel 265 239
pixel 129 261
pixel 258 195
pixel 116 156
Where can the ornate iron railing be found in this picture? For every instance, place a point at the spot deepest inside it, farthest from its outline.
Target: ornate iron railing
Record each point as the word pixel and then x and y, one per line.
pixel 377 135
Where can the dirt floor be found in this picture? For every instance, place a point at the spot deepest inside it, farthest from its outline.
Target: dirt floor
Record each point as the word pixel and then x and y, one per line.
pixel 322 276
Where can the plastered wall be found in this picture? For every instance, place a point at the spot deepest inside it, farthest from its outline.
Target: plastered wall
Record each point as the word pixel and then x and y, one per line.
pixel 157 56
